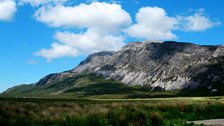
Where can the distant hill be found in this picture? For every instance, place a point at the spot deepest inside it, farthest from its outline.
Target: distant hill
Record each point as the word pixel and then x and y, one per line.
pixel 138 68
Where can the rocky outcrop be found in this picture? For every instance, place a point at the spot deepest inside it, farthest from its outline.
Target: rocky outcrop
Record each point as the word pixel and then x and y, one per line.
pixel 94 62
pixel 90 64
pixel 169 65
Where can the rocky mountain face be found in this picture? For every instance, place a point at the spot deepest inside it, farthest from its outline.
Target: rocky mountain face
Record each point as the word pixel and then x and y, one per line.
pixel 168 65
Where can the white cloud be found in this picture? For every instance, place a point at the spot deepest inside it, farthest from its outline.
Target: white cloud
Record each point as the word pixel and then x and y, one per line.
pixel 7 9
pixel 100 17
pixel 197 22
pixel 57 51
pixel 37 3
pixel 154 24
pixel 103 23
pixel 90 41
pixel 70 44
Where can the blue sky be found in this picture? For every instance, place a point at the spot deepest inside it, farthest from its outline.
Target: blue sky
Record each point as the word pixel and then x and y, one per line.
pixel 39 37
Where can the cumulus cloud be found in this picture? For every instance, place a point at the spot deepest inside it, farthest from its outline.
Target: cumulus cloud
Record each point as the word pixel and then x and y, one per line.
pixel 197 22
pixel 7 9
pixel 90 41
pixel 102 26
pixel 103 23
pixel 37 3
pixel 153 23
pixel 100 17
pixel 71 45
pixel 57 50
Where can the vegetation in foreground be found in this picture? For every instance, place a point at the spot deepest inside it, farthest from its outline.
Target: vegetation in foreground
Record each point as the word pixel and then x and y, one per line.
pixel 87 112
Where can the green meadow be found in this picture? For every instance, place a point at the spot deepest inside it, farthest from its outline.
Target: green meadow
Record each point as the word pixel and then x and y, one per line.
pixel 109 112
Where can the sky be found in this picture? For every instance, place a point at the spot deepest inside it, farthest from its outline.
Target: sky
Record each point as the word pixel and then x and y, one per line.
pixel 39 37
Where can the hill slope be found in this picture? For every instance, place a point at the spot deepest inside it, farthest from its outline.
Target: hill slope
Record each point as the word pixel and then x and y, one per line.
pixel 167 65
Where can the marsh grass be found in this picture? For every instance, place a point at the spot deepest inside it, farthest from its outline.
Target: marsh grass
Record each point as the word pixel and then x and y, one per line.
pixel 163 112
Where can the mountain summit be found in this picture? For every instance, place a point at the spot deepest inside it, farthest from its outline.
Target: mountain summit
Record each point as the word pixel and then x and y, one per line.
pixel 169 65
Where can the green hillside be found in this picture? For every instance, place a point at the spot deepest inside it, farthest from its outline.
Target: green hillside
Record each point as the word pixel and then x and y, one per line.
pixel 92 86
pixel 78 86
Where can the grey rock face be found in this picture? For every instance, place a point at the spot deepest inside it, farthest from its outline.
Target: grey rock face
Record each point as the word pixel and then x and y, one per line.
pixel 169 65
pixel 93 62
pixel 55 77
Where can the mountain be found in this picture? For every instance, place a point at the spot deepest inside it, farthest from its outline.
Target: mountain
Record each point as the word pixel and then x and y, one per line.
pixel 165 65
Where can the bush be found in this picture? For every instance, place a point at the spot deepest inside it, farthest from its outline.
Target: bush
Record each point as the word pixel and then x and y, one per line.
pixel 95 120
pixel 156 119
pixel 118 117
pixel 141 118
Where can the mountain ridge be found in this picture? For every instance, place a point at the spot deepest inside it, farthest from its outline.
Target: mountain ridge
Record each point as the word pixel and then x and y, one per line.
pixel 160 54
pixel 168 65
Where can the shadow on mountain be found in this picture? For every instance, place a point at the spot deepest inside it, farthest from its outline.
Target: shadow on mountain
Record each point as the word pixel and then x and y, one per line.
pixel 210 77
pixel 106 88
pixel 159 51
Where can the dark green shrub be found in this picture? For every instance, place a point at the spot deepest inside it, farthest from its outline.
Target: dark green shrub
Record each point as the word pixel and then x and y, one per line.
pixel 95 120
pixel 141 118
pixel 118 117
pixel 73 121
pixel 156 119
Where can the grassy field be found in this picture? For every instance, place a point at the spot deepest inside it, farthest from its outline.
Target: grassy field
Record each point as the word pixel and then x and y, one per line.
pixel 109 112
pixel 90 100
